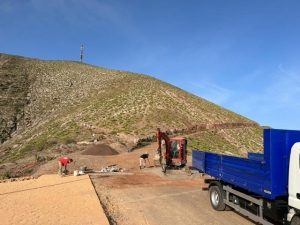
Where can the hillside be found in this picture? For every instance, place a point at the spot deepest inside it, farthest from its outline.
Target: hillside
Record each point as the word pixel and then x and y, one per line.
pixel 54 104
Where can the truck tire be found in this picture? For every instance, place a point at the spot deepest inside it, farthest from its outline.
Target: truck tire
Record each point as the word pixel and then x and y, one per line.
pixel 295 220
pixel 216 198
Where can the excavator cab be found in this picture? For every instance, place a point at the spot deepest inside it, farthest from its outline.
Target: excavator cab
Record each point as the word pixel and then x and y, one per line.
pixel 175 149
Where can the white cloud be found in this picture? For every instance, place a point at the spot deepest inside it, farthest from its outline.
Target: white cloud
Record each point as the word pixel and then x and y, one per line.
pixel 285 90
pixel 273 101
pixel 250 77
pixel 212 92
pixel 281 92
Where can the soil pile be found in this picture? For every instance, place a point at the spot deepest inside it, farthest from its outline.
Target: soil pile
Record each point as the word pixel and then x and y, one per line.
pixel 100 149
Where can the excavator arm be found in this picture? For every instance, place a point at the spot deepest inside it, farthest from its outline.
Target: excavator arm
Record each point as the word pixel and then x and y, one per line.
pixel 163 136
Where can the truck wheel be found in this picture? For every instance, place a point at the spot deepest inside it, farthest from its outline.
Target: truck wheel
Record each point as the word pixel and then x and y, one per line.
pixel 216 198
pixel 295 220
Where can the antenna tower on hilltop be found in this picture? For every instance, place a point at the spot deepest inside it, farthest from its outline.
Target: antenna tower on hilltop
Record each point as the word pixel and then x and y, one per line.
pixel 81 53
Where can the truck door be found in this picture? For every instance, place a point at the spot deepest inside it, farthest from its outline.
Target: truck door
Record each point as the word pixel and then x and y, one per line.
pixel 294 176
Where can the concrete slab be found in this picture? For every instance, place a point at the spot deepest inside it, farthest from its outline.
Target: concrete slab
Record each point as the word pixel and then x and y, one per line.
pixel 51 199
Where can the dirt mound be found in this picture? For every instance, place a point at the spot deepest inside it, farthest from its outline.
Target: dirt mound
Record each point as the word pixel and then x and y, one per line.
pixel 100 149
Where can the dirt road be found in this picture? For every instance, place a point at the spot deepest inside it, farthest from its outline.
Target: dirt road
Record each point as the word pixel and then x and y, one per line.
pixel 167 205
pixel 146 196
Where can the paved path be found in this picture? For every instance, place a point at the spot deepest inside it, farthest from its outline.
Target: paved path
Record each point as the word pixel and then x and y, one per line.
pixel 51 199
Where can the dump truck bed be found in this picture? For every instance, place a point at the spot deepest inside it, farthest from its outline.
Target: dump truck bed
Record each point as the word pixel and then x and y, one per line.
pixel 263 174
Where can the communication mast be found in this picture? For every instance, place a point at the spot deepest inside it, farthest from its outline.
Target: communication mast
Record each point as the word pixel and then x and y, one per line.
pixel 81 53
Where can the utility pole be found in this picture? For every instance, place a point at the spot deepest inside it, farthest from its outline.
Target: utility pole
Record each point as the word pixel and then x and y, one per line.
pixel 81 53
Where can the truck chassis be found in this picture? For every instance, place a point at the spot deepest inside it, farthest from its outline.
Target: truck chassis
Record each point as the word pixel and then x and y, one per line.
pixel 223 196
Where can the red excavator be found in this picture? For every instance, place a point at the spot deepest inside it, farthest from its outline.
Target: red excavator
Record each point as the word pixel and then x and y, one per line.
pixel 175 151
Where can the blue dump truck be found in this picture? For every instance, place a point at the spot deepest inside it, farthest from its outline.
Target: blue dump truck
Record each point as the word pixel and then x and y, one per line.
pixel 264 187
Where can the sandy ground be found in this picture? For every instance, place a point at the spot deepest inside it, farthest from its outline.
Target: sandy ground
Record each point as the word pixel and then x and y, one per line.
pixel 133 197
pixel 51 199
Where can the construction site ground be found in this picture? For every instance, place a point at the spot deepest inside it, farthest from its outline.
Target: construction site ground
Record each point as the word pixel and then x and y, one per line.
pixel 132 196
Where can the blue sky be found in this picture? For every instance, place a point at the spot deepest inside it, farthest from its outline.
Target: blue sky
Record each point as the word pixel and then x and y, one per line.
pixel 243 55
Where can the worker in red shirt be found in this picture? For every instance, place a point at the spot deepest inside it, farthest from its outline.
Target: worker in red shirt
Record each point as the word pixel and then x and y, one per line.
pixel 62 162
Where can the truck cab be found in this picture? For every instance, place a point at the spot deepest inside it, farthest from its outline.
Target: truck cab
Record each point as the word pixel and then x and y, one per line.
pixel 294 182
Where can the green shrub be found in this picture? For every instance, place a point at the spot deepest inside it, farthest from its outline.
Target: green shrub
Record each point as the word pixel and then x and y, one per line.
pixel 140 145
pixel 68 140
pixel 49 158
pixel 6 175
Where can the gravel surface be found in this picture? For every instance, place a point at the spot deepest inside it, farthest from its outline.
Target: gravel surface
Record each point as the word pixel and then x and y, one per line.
pixel 100 149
